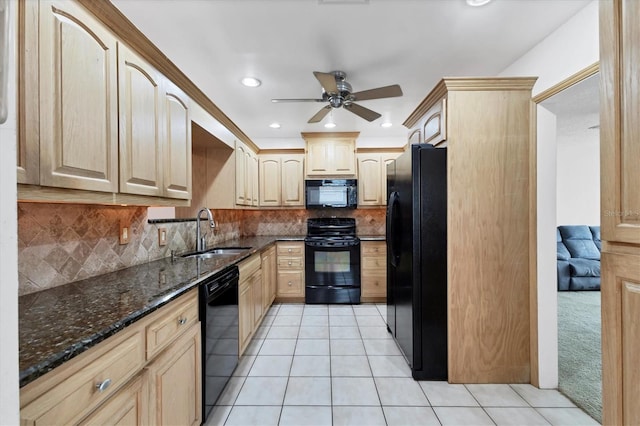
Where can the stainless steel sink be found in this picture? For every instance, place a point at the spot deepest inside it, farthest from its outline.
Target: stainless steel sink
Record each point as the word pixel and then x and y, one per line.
pixel 218 252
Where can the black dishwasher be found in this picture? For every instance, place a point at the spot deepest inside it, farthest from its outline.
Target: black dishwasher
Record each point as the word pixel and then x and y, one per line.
pixel 219 321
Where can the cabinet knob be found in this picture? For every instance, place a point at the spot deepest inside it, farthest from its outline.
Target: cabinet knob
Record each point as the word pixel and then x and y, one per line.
pixel 290 263
pixel 102 386
pixel 289 250
pixel 289 283
pixel 182 321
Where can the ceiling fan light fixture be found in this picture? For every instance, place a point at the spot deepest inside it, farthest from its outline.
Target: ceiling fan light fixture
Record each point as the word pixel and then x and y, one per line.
pixel 274 125
pixel 477 3
pixel 250 82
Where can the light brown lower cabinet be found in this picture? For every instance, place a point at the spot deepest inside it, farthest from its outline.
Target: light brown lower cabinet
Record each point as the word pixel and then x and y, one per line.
pixel 290 271
pixel 253 290
pixel 373 264
pixel 122 381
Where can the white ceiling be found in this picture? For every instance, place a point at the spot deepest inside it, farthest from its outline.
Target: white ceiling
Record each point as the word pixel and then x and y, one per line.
pixel 413 43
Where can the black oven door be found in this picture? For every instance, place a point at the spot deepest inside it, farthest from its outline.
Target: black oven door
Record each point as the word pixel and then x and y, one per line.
pixel 332 270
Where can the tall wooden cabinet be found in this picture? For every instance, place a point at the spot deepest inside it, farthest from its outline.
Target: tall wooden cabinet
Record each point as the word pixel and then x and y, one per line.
pixel 620 204
pixel 489 190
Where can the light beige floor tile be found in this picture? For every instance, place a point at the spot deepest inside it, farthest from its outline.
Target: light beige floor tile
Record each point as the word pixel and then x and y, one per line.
pixel 316 310
pixel 262 391
pixel 287 320
pixel 218 415
pixel 366 309
pixel 567 417
pixel 389 366
pixel 442 394
pixel 340 320
pixel 370 321
pixel 291 309
pixel 381 347
pixel 410 416
pixel 350 416
pixel 231 391
pixel 253 347
pixel 305 416
pixel 268 320
pixel 354 391
pixel 347 347
pixel 311 365
pixel 542 397
pixel 512 416
pixel 284 332
pixel 260 333
pixel 340 310
pixel 344 332
pixel 496 395
pixel 375 333
pixel 315 320
pixel 312 347
pixel 400 391
pixel 463 416
pixel 350 366
pixel 244 365
pixel 308 391
pixel 278 347
pixel 271 365
pixel 253 416
pixel 313 332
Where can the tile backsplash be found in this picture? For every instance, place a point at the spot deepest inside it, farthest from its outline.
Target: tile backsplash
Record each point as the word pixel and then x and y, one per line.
pixel 62 243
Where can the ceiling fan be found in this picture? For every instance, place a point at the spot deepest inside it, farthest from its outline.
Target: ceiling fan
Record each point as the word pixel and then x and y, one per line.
pixel 337 92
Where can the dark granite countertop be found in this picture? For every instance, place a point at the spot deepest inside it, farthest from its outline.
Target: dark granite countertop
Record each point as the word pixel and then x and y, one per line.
pixel 58 324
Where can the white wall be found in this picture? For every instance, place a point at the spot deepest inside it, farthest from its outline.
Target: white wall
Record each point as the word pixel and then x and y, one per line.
pixel 568 50
pixel 9 386
pixel 578 186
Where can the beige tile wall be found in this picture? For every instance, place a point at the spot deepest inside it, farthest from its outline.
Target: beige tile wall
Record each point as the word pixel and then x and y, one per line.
pixel 62 243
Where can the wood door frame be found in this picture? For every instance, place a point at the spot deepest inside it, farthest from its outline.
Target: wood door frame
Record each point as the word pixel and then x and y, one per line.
pixel 535 303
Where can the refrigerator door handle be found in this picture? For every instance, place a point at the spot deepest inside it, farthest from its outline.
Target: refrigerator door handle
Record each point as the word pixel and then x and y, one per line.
pixel 393 231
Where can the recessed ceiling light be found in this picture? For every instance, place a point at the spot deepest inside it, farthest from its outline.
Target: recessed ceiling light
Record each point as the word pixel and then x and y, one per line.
pixel 476 3
pixel 330 125
pixel 386 124
pixel 274 125
pixel 251 82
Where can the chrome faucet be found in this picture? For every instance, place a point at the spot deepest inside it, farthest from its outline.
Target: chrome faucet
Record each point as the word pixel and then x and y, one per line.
pixel 200 240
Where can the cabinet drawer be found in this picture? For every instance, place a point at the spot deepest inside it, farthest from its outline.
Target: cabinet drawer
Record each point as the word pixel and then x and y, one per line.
pixel 290 249
pixel 290 263
pixel 377 248
pixel 79 393
pixel 248 266
pixel 170 322
pixel 127 407
pixel 290 284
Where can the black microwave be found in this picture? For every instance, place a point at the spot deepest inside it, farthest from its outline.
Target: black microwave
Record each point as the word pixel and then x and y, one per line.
pixel 331 193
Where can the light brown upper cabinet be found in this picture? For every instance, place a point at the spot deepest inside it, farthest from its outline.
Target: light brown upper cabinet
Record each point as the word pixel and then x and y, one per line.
pixel 93 116
pixel 620 206
pixel 246 175
pixel 282 180
pixel 331 154
pixel 78 111
pixel 372 176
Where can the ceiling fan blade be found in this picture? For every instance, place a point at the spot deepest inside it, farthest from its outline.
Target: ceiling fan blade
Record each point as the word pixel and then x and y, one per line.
pixel 320 115
pixel 296 100
pixel 363 112
pixel 381 92
pixel 327 81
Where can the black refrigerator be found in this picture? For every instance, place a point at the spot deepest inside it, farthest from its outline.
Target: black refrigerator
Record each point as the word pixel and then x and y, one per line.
pixel 417 259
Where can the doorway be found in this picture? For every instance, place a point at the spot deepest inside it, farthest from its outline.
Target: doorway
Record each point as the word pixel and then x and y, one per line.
pixel 575 111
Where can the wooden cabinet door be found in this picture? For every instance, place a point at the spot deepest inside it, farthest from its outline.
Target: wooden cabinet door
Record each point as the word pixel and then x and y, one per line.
pixel 257 298
pixel 268 278
pixel 269 180
pixel 175 382
pixel 127 407
pixel 78 99
pixel 177 143
pixel 369 181
pixel 245 313
pixel 292 180
pixel 343 157
pixel 620 204
pixel 241 174
pixel 386 160
pixel 318 158
pixel 140 125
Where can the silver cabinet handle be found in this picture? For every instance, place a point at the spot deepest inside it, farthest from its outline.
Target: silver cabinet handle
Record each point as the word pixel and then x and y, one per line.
pixel 103 385
pixel 182 321
pixel 290 263
pixel 290 283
